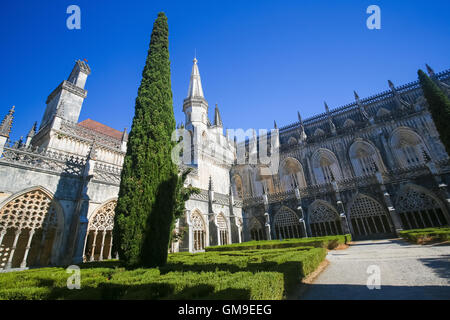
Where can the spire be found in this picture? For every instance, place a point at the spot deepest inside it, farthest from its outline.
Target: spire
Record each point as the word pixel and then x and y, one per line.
pixel 356 95
pixel 330 121
pixel 299 118
pixel 362 109
pixel 125 135
pixel 195 84
pixel 217 118
pixel 275 124
pixel 429 70
pixel 391 85
pixel 210 184
pixel 32 130
pixel 326 108
pixel 5 126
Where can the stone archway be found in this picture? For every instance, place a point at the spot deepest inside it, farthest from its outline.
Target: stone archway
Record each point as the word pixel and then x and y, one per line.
pixel 368 217
pixel 324 220
pixel 198 231
pixel 287 224
pixel 222 228
pixel 419 208
pixel 257 231
pixel 31 227
pixel 99 237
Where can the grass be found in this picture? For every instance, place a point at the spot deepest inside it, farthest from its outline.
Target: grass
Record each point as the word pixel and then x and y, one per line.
pixel 328 242
pixel 426 235
pixel 252 274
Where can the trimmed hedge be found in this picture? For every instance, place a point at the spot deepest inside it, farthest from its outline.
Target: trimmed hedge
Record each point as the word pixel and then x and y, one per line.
pixel 246 274
pixel 427 234
pixel 328 242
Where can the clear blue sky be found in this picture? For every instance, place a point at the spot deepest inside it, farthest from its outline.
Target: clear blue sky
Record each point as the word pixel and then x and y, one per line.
pixel 259 60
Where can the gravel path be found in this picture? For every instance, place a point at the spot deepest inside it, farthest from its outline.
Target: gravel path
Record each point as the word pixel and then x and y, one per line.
pixel 406 271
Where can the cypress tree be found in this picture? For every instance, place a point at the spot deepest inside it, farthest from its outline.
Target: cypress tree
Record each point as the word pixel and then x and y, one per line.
pixel 439 106
pixel 149 184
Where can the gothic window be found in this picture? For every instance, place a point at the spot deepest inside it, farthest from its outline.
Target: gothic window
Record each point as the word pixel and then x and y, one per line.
pixel 223 230
pixel 367 216
pixel 292 174
pixel 365 158
pixel 30 230
pixel 99 237
pixel 325 166
pixel 408 147
pixel 199 231
pixel 323 219
pixel 419 208
pixel 256 230
pixel 287 224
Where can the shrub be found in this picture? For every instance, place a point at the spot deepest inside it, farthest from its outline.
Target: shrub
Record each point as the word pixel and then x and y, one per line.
pixel 425 235
pixel 328 242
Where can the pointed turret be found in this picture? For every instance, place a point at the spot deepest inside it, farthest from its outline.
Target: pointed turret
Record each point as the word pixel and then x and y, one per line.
pixel 275 124
pixel 401 104
pixel 195 84
pixel 430 71
pixel 31 134
pixel 330 120
pixel 362 109
pixel 6 125
pixel 391 85
pixel 303 135
pixel 299 118
pixel 217 118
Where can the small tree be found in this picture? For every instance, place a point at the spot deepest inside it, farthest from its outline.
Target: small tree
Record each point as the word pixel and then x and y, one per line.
pixel 439 106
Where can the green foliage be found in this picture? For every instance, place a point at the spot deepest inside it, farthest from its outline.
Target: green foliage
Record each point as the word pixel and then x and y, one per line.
pixel 439 106
pixel 426 235
pixel 328 242
pixel 148 200
pixel 247 274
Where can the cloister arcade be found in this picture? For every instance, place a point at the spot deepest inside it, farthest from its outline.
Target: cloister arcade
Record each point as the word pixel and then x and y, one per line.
pixel 222 229
pixel 199 231
pixel 31 225
pixel 323 219
pixel 287 224
pixel 99 237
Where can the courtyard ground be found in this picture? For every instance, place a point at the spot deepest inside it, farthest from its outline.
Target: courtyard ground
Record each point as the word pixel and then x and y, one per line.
pixel 407 271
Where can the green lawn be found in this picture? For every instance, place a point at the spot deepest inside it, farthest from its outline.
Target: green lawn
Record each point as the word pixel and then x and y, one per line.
pixel 426 235
pixel 245 274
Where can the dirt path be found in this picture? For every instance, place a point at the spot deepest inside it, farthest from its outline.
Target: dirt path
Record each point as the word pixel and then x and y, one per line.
pixel 406 271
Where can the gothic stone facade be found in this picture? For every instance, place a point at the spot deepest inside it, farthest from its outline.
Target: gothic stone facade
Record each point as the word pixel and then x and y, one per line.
pixel 370 168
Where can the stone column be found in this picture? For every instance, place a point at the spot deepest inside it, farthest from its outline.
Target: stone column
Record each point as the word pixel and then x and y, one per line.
pixel 190 231
pixel 110 246
pixel 388 202
pixel 27 249
pixel 11 253
pixel 301 220
pixel 266 215
pixel 103 245
pixel 93 246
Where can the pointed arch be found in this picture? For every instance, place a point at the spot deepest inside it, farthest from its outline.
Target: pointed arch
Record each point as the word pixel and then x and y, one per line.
pixel 291 174
pixel 420 208
pixel 325 166
pixel 31 229
pixel 237 185
pixel 222 227
pixel 408 147
pixel 368 216
pixel 199 230
pixel 365 158
pixel 324 219
pixel 256 229
pixel 286 223
pixel 99 235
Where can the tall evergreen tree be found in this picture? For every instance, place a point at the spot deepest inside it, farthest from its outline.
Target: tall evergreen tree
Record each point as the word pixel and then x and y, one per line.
pixel 439 106
pixel 149 183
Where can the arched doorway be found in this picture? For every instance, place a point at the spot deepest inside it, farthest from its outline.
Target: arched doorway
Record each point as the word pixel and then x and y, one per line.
pixel 419 208
pixel 287 224
pixel 368 217
pixel 223 229
pixel 256 230
pixel 199 231
pixel 324 220
pixel 31 227
pixel 99 237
